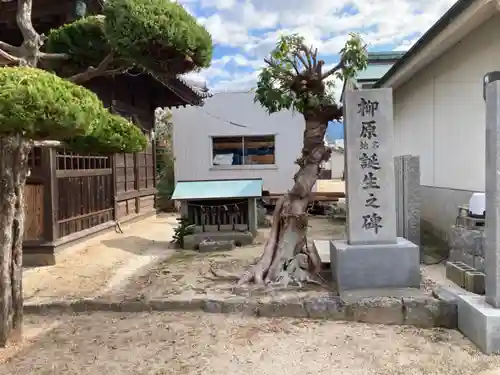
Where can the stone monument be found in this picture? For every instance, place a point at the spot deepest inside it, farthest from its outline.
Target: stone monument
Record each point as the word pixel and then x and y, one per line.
pixel 479 316
pixel 407 174
pixel 372 256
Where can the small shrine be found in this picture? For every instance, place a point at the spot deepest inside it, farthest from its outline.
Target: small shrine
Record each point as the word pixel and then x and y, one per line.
pixel 219 210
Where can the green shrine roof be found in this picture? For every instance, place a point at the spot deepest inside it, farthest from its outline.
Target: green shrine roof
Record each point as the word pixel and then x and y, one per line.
pixel 217 189
pixel 385 56
pixel 374 71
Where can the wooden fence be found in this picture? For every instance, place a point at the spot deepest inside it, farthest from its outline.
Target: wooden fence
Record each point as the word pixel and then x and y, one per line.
pixel 70 196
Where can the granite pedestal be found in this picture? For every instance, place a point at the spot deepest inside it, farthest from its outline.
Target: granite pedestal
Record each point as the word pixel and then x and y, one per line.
pixel 480 322
pixel 376 265
pixel 478 316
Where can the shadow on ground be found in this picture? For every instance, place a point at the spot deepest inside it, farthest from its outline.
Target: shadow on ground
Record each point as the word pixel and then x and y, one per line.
pixel 434 248
pixel 135 244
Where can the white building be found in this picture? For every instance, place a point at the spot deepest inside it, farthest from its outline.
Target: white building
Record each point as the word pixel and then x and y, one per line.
pixel 439 108
pixel 337 160
pixel 231 137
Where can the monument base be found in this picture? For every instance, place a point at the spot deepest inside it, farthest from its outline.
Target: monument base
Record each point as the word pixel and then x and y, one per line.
pixel 375 266
pixel 480 322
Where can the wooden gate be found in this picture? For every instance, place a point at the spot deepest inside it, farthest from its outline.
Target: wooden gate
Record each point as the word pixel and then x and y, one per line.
pixel 34 198
pixel 135 183
pixel 85 191
pixel 69 196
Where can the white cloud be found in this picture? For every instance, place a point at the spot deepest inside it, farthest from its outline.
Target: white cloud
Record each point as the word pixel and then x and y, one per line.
pixel 249 29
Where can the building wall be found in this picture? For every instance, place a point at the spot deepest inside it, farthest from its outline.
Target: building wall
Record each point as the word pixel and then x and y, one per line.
pixel 440 116
pixel 194 126
pixel 336 164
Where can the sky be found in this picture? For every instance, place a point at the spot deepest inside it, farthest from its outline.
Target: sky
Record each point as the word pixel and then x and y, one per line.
pixel 245 31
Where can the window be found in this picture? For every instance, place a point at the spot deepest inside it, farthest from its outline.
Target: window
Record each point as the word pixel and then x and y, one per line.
pixel 243 150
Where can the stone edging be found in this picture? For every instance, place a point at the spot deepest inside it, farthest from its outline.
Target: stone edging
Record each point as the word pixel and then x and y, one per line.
pixel 420 312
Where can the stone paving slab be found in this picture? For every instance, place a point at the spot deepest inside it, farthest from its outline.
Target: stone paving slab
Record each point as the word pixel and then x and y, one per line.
pixel 354 295
pixel 421 311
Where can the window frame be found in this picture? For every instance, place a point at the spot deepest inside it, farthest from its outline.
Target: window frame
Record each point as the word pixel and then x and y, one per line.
pixel 241 166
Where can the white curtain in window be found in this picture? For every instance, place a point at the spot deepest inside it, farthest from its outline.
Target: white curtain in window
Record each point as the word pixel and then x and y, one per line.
pixel 223 159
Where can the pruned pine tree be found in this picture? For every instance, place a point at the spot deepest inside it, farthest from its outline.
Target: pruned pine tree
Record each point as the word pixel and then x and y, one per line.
pixel 48 108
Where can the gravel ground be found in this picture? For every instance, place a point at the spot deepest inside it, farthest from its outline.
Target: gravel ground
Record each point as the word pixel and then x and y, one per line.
pixel 213 344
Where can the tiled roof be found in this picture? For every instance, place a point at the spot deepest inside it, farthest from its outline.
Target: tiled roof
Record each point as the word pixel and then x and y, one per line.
pixel 187 92
pixel 202 92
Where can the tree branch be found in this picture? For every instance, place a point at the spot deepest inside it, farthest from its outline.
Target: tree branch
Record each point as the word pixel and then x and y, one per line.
pixel 31 39
pixel 92 72
pixel 315 56
pixel 336 68
pixel 53 56
pixel 295 65
pixel 9 48
pixel 308 56
pixel 6 58
pixel 23 19
pixel 302 60
pixel 330 112
pixel 48 143
pixel 276 66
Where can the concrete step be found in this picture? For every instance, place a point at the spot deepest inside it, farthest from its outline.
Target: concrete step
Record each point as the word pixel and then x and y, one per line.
pixel 323 249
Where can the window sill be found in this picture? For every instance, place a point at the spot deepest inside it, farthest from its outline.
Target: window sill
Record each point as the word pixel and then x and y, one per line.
pixel 243 167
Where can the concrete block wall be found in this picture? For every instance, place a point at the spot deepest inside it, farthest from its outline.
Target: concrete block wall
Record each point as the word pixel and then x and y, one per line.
pixel 466 277
pixel 467 246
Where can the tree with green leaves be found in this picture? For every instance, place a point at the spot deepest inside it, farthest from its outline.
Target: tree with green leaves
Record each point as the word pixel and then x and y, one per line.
pixel 165 158
pixel 294 78
pixel 48 108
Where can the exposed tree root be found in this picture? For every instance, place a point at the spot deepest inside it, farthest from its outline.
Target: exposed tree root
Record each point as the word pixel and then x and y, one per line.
pixel 222 275
pixel 286 260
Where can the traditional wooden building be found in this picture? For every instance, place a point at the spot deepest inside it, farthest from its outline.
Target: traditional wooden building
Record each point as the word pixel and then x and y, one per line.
pixel 71 196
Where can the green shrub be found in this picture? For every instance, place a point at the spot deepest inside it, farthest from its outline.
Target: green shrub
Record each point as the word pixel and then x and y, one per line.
pixel 114 134
pixel 166 177
pixel 151 33
pixel 41 105
pixel 184 228
pixel 155 35
pixel 83 40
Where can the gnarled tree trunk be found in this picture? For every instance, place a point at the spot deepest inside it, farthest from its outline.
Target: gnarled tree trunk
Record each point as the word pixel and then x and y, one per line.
pixel 13 169
pixel 287 258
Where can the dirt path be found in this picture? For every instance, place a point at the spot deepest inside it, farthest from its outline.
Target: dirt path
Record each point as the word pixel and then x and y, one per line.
pixel 85 269
pixel 34 329
pixel 214 344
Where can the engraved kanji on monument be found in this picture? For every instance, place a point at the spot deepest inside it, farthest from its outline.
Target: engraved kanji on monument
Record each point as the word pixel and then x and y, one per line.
pixel 372 256
pixel 369 139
